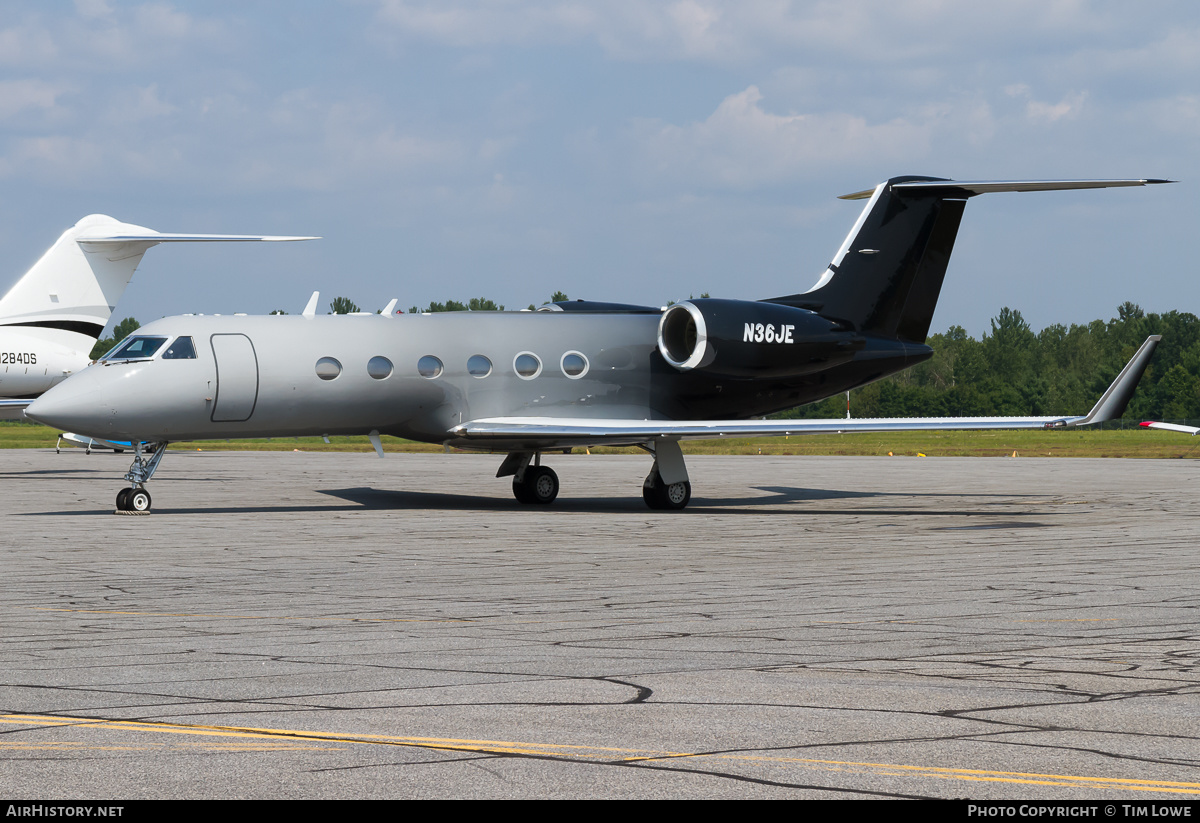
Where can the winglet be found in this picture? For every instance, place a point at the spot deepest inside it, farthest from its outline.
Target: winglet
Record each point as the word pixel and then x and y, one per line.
pixel 390 307
pixel 1113 402
pixel 311 309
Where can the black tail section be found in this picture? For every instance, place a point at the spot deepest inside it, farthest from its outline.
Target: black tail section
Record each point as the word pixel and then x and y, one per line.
pixel 886 277
pixel 888 274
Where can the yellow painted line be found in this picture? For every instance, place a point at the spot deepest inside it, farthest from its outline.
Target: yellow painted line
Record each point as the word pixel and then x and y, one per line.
pixel 600 753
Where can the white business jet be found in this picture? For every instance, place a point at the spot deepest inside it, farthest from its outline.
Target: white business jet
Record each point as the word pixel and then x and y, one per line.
pixel 51 318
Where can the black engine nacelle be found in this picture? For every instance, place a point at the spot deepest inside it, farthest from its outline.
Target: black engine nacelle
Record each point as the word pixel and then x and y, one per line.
pixel 742 338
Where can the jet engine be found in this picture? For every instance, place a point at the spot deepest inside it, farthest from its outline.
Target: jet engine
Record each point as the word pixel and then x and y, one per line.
pixel 742 338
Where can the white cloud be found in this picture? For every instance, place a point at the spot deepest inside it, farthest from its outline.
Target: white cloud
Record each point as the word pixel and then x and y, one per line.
pixel 21 95
pixel 99 40
pixel 1040 111
pixel 727 30
pixel 93 8
pixel 742 145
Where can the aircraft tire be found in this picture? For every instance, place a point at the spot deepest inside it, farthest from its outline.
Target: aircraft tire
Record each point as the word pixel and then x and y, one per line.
pixel 673 497
pixel 541 483
pixel 123 500
pixel 139 500
pixel 521 492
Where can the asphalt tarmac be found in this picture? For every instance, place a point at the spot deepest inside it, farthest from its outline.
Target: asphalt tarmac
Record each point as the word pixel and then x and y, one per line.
pixel 290 625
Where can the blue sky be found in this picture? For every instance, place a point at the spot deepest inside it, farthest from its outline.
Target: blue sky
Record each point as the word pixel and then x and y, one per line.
pixel 625 151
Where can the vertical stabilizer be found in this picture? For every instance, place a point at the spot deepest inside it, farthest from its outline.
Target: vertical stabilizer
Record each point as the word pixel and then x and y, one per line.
pixel 76 284
pixel 72 288
pixel 886 277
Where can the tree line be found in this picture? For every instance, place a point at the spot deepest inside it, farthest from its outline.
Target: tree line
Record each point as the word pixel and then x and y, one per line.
pixel 1059 370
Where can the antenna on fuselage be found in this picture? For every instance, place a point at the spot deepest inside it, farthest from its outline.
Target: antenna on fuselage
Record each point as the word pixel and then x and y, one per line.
pixel 311 309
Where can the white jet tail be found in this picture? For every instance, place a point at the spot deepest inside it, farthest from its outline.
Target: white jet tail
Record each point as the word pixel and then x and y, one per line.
pixel 76 284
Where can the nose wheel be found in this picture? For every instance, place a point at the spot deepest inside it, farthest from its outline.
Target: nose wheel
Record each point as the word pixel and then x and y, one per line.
pixel 133 500
pixel 136 499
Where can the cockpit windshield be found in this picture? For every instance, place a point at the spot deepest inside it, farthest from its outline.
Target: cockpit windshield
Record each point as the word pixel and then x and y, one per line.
pixel 136 348
pixel 182 349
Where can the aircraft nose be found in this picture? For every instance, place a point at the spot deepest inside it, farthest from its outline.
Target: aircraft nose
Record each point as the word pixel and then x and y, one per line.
pixel 69 408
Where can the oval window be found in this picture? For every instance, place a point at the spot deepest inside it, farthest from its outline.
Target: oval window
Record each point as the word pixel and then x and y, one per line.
pixel 574 365
pixel 527 365
pixel 328 368
pixel 479 366
pixel 429 366
pixel 379 367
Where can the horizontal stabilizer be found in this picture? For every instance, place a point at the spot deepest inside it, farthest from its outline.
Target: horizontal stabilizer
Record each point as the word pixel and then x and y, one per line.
pixel 973 187
pixel 158 237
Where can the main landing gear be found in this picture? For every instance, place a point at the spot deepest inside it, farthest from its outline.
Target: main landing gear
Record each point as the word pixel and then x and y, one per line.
pixel 666 487
pixel 536 484
pixel 136 499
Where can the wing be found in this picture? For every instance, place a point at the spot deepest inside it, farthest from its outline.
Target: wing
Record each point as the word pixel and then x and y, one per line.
pixel 533 433
pixel 14 409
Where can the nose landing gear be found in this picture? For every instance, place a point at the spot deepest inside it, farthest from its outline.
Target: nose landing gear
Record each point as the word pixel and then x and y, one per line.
pixel 136 499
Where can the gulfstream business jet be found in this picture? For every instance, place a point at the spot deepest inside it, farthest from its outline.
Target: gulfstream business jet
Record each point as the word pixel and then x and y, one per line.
pixel 525 384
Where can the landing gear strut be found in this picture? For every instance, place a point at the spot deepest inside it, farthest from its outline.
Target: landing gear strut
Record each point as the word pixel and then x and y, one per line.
pixel 532 485
pixel 136 498
pixel 667 486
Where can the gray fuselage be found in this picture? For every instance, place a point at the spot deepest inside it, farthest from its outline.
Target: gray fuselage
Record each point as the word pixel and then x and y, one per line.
pixel 288 375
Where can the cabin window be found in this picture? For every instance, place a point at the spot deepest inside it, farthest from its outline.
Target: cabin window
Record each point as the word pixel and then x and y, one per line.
pixel 527 365
pixel 328 368
pixel 137 348
pixel 182 349
pixel 429 366
pixel 479 366
pixel 574 365
pixel 379 367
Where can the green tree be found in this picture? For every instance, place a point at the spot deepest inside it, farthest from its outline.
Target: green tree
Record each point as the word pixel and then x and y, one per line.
pixel 474 304
pixel 343 305
pixel 122 330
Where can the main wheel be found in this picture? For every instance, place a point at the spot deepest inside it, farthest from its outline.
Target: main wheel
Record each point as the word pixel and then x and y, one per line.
pixel 539 487
pixel 659 495
pixel 542 485
pixel 521 492
pixel 139 500
pixel 123 500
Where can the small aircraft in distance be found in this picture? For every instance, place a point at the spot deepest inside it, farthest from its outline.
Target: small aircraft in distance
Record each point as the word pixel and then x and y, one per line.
pixel 1171 427
pixel 579 374
pixel 51 318
pixel 89 443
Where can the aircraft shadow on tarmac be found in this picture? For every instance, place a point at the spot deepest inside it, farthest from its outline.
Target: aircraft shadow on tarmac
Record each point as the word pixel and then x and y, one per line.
pixel 777 500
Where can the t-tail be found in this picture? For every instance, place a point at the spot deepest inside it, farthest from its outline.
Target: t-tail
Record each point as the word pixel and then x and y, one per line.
pixel 886 277
pixel 75 285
